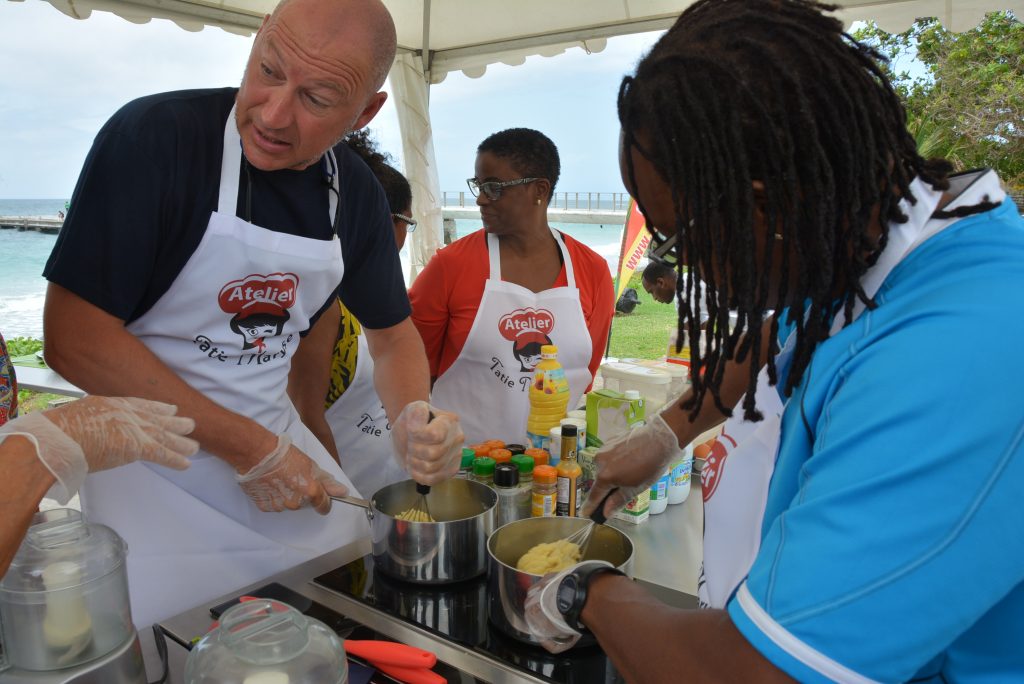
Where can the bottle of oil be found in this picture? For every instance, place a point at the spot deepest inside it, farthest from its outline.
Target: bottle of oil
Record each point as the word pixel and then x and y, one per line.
pixel 570 476
pixel 549 397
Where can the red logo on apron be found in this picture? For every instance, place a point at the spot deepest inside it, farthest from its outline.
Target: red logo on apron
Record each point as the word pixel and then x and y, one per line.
pixel 528 330
pixel 259 304
pixel 714 466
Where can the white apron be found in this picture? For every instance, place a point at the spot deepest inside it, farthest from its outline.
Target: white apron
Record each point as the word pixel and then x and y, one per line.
pixel 228 326
pixel 735 496
pixel 488 384
pixel 362 432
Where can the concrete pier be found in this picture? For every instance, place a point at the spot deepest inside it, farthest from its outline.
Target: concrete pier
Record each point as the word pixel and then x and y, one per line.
pixel 37 223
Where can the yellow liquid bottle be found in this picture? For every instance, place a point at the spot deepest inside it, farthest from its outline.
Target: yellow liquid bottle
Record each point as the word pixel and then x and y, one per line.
pixel 570 476
pixel 549 397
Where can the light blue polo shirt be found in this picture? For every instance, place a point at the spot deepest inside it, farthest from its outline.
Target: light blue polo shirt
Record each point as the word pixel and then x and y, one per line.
pixel 893 536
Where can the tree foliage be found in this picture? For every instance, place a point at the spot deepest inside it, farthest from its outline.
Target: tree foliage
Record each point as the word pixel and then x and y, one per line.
pixel 964 92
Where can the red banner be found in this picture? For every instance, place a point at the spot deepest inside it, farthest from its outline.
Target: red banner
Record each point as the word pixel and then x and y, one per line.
pixel 635 240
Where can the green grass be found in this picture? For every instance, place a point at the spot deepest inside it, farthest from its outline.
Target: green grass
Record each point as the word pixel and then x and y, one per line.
pixel 29 401
pixel 644 333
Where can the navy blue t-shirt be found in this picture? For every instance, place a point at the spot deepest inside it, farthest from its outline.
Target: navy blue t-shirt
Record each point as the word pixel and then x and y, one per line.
pixel 151 181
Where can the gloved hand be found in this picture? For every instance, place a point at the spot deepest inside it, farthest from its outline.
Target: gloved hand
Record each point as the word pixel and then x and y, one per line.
pixel 429 450
pixel 543 618
pixel 633 461
pixel 288 478
pixel 98 433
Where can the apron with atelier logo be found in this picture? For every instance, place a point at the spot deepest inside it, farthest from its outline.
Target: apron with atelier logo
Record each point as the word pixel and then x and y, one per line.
pixel 362 431
pixel 738 472
pixel 488 384
pixel 228 325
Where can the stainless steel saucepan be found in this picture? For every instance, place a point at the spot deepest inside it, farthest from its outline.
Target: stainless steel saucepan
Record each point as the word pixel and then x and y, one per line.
pixel 507 587
pixel 451 549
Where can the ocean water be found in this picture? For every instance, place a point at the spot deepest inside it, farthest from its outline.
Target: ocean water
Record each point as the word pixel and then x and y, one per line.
pixel 24 253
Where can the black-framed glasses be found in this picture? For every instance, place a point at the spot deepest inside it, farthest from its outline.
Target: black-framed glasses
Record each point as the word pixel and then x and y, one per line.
pixel 410 222
pixel 492 189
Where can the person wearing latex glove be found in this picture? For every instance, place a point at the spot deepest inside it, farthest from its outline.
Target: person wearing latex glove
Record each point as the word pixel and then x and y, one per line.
pixel 809 211
pixel 287 479
pixel 48 453
pixel 427 443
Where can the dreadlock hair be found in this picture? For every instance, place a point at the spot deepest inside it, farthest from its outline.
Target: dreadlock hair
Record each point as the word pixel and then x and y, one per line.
pixel 531 153
pixel 396 187
pixel 772 91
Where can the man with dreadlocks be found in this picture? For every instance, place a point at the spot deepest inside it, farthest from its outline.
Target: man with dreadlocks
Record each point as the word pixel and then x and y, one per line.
pixel 888 543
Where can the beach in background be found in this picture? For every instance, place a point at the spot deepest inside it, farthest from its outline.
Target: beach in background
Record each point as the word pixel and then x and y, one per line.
pixel 24 253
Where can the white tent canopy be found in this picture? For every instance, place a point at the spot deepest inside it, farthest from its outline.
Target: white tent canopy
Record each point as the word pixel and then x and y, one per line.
pixel 436 37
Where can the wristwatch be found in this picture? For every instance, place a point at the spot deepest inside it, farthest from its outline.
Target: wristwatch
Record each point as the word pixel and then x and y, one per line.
pixel 572 592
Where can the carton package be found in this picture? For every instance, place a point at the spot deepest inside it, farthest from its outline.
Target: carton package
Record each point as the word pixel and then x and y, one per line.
pixel 610 413
pixel 637 510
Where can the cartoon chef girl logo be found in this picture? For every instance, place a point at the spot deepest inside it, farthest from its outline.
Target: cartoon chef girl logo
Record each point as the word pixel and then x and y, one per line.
pixel 259 306
pixel 528 330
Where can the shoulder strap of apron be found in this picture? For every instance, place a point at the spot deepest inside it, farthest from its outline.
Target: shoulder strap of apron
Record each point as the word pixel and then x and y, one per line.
pixel 495 257
pixel 231 162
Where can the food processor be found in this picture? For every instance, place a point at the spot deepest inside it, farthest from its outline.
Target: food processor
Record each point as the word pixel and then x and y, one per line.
pixel 264 641
pixel 64 611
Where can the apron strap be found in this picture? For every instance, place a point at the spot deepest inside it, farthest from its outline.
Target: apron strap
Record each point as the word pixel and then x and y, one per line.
pixel 495 258
pixel 231 163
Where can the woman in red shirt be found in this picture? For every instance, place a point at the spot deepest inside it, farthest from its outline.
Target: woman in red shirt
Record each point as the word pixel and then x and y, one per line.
pixel 486 303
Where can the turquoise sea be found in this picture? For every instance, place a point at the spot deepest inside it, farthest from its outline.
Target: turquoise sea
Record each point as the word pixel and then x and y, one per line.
pixel 24 253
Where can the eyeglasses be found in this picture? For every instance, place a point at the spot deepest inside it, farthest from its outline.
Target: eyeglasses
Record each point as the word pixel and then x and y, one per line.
pixel 492 189
pixel 410 222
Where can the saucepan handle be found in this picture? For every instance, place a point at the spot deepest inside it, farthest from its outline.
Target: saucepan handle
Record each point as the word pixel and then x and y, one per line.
pixel 356 501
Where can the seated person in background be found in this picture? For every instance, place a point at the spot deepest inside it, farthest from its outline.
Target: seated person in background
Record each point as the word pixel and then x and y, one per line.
pixel 355 428
pixel 49 452
pixel 483 300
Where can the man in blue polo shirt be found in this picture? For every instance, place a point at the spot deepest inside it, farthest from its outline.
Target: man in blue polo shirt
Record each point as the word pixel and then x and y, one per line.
pixel 889 548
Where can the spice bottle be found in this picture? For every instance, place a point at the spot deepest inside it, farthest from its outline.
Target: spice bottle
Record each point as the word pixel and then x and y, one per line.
pixel 570 476
pixel 516 449
pixel 540 456
pixel 525 465
pixel 544 491
pixel 466 465
pixel 513 501
pixel 500 455
pixel 483 470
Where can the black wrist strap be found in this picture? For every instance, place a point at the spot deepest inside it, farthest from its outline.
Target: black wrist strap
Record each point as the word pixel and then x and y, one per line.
pixel 582 580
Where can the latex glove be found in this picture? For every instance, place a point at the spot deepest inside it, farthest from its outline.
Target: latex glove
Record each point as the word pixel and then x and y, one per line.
pixel 286 478
pixel 429 451
pixel 632 462
pixel 543 618
pixel 98 433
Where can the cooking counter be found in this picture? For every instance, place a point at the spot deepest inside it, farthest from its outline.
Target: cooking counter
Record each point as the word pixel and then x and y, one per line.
pixel 666 559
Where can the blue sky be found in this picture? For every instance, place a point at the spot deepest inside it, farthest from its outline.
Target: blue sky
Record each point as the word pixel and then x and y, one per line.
pixel 62 78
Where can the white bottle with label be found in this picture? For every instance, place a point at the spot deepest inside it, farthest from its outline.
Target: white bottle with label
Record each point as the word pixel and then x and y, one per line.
pixel 659 495
pixel 679 476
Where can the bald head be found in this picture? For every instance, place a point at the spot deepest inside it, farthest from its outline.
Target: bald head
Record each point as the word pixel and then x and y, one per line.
pixel 313 75
pixel 343 21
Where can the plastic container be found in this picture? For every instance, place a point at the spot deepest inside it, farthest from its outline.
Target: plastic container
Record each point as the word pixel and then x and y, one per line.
pixel 651 383
pixel 570 476
pixel 64 598
pixel 680 356
pixel 267 642
pixel 549 397
pixel 514 501
pixel 679 476
pixel 480 449
pixel 680 378
pixel 525 464
pixel 516 448
pixel 500 455
pixel 659 495
pixel 555 440
pixel 466 465
pixel 544 491
pixel 483 470
pixel 540 456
